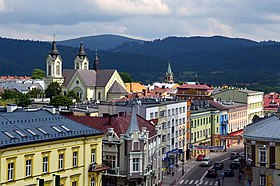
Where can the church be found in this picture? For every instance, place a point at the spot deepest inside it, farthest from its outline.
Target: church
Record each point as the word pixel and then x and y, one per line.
pixel 88 84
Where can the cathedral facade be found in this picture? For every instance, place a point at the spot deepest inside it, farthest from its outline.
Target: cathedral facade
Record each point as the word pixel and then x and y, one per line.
pixel 88 84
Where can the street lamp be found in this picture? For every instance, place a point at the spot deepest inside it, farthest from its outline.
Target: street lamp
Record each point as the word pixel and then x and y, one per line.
pixel 183 163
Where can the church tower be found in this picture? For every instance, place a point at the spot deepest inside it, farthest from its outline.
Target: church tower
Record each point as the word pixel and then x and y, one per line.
pixel 53 66
pixel 81 61
pixel 169 74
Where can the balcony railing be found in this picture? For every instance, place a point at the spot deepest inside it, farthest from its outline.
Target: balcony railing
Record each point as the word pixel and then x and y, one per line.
pixel 115 172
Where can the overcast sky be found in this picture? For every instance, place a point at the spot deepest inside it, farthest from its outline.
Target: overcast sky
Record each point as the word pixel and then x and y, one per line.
pixel 144 19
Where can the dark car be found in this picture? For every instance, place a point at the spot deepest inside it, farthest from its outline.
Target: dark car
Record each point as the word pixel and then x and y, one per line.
pixel 235 164
pixel 200 157
pixel 234 155
pixel 229 173
pixel 218 165
pixel 211 173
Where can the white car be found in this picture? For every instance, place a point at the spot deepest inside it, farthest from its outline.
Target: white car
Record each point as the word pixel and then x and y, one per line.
pixel 206 162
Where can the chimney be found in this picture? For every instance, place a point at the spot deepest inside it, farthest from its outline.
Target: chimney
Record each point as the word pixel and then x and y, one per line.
pixel 11 107
pixel 145 92
pixel 130 86
pixel 51 109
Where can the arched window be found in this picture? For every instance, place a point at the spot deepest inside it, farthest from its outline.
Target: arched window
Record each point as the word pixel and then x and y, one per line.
pixel 58 69
pixel 49 69
pixel 85 66
pixel 77 66
pixel 99 95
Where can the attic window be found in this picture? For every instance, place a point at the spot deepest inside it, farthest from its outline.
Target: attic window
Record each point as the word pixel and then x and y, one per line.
pixel 41 130
pixel 55 128
pixel 20 133
pixel 9 135
pixel 65 128
pixel 31 132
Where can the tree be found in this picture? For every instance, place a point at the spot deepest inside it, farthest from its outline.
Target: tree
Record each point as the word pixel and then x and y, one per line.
pixel 54 89
pixel 126 77
pixel 23 100
pixel 9 94
pixel 73 95
pixel 61 101
pixel 38 74
pixel 35 93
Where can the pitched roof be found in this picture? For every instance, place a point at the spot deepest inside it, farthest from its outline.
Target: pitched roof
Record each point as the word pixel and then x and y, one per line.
pixel 190 86
pixel 133 125
pixel 169 71
pixel 67 74
pixel 89 77
pixel 117 88
pixel 103 76
pixel 22 127
pixel 267 129
pixel 119 123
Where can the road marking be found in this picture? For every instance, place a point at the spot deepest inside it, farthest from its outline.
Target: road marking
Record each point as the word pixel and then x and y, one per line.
pixel 196 181
pixel 191 182
pixel 211 183
pixel 179 169
pixel 216 183
pixel 200 182
pixel 206 182
pixel 186 182
pixel 181 181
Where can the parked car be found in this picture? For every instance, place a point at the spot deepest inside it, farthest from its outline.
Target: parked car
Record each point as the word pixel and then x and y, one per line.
pixel 229 173
pixel 206 162
pixel 241 158
pixel 234 155
pixel 200 157
pixel 211 173
pixel 235 164
pixel 218 165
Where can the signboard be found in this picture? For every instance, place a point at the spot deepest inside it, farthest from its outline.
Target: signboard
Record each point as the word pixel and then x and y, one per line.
pixel 230 137
pixel 200 147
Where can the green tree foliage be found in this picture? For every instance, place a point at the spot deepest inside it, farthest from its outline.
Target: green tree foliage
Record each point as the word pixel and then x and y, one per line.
pixel 5 102
pixel 61 101
pixel 126 77
pixel 23 100
pixel 9 94
pixel 38 74
pixel 73 95
pixel 36 93
pixel 54 89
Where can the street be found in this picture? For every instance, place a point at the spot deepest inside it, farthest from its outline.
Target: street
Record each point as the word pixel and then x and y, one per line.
pixel 196 175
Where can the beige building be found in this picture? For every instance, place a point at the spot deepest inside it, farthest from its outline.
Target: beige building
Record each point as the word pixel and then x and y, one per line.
pixel 253 99
pixel 88 84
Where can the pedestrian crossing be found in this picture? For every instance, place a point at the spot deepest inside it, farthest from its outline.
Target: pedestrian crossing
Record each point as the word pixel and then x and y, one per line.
pixel 198 182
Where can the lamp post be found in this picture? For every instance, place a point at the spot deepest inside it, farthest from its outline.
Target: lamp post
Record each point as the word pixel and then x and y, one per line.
pixel 183 163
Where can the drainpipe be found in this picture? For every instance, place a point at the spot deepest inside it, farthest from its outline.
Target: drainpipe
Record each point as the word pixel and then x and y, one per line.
pixel 1 152
pixel 84 161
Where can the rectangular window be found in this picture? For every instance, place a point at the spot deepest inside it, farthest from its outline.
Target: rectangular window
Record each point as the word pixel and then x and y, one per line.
pixel 135 164
pixel 151 115
pixel 10 171
pixel 248 152
pixel 28 165
pixel 111 160
pixel 45 164
pixel 92 155
pixel 156 114
pixel 183 109
pixel 92 182
pixel 262 155
pixel 75 159
pixel 74 183
pixel 263 180
pixel 61 161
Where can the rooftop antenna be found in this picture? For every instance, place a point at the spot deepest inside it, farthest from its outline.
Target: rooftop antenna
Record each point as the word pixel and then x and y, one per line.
pixel 53 37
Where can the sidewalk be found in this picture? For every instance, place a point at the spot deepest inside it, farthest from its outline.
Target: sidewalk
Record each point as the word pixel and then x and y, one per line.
pixel 168 179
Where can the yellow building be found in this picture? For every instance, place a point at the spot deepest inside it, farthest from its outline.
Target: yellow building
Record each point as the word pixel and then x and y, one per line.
pixel 40 147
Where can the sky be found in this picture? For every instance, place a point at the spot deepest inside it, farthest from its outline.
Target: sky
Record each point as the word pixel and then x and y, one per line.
pixel 258 20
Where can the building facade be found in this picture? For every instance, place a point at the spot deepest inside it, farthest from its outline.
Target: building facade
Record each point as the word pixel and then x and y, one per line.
pixel 40 147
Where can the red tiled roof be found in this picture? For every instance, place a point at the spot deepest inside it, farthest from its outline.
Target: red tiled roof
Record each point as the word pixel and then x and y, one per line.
pixel 189 86
pixel 119 123
pixel 271 101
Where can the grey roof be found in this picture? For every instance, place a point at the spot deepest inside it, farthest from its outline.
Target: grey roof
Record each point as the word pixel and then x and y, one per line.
pixel 89 77
pixel 103 77
pixel 117 88
pixel 20 87
pixel 40 125
pixel 67 74
pixel 133 125
pixel 267 129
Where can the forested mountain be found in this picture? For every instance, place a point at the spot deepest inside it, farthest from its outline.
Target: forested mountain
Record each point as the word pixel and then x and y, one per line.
pixel 99 42
pixel 217 60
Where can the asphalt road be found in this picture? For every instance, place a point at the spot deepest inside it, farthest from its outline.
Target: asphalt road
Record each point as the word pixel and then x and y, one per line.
pixel 197 175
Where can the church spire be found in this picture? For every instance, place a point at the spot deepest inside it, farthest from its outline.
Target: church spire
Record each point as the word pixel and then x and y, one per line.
pixel 54 50
pixel 169 74
pixel 96 62
pixel 82 52
pixel 133 125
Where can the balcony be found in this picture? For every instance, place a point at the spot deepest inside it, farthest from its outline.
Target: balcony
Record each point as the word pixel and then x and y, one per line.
pixel 94 167
pixel 115 172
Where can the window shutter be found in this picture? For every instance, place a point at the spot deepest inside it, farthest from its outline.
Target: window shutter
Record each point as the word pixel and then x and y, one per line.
pixel 253 150
pixel 272 157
